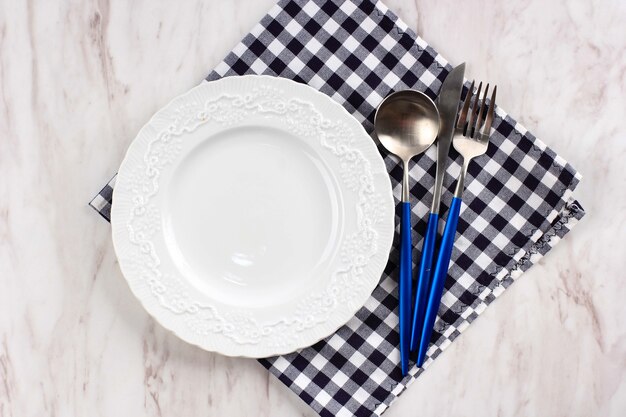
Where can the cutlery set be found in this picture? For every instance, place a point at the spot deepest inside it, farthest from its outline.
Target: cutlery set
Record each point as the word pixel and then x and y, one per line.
pixel 407 123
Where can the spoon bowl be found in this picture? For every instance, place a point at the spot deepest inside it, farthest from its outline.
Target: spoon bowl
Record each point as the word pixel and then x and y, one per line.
pixel 407 123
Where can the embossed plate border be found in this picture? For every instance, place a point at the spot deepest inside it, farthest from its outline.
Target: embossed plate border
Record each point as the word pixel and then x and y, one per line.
pixel 307 114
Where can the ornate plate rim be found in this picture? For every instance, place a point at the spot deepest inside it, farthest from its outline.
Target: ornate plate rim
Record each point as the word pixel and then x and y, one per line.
pixel 340 315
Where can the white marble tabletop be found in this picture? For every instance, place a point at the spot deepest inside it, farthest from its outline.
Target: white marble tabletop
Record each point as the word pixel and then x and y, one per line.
pixel 78 80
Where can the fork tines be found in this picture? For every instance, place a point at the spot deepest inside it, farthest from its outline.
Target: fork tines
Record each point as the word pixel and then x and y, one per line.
pixel 479 115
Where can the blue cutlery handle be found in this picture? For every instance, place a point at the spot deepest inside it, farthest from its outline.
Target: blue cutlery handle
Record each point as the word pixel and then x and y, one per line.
pixel 423 281
pixel 439 277
pixel 404 290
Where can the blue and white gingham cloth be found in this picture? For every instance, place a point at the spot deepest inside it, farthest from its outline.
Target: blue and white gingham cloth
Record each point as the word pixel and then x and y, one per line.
pixel 517 205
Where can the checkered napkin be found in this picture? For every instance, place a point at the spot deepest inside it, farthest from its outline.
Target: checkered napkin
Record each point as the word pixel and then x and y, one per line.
pixel 516 207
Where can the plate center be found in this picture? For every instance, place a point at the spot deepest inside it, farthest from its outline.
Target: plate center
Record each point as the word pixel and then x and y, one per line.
pixel 253 216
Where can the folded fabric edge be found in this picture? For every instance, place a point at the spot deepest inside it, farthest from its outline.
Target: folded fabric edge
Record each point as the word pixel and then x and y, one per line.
pixel 535 235
pixel 568 218
pixel 101 202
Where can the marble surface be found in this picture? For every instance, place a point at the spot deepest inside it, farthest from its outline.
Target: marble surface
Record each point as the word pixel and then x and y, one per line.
pixel 78 80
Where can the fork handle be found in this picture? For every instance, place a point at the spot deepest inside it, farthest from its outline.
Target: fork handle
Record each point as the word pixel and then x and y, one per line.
pixel 439 277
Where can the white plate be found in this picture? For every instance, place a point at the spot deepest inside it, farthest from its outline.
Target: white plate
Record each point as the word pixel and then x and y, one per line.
pixel 252 216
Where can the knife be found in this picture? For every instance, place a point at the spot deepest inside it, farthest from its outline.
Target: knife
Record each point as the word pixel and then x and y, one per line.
pixel 447 103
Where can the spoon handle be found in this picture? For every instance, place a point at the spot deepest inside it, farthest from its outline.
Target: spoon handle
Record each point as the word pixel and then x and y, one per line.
pixel 404 290
pixel 439 277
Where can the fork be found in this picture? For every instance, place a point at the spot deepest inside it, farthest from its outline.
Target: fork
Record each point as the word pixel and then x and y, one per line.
pixel 471 137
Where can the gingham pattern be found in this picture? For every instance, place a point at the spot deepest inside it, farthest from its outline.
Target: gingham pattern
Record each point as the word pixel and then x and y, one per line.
pixel 517 203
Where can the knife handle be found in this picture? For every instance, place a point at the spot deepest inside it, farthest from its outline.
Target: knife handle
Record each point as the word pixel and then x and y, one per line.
pixel 439 277
pixel 423 281
pixel 404 288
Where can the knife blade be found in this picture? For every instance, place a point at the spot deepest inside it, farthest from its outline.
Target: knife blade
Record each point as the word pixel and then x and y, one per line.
pixel 447 104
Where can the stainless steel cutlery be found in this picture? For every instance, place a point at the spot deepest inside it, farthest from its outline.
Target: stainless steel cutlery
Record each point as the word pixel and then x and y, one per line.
pixel 407 123
pixel 471 138
pixel 448 104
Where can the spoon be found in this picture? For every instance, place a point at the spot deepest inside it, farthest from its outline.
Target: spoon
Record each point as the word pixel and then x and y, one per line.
pixel 406 123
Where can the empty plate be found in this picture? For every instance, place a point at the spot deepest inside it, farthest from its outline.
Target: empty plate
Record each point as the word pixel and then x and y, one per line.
pixel 252 216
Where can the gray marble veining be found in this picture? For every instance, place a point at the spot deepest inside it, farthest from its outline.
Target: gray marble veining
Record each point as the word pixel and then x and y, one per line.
pixel 78 80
